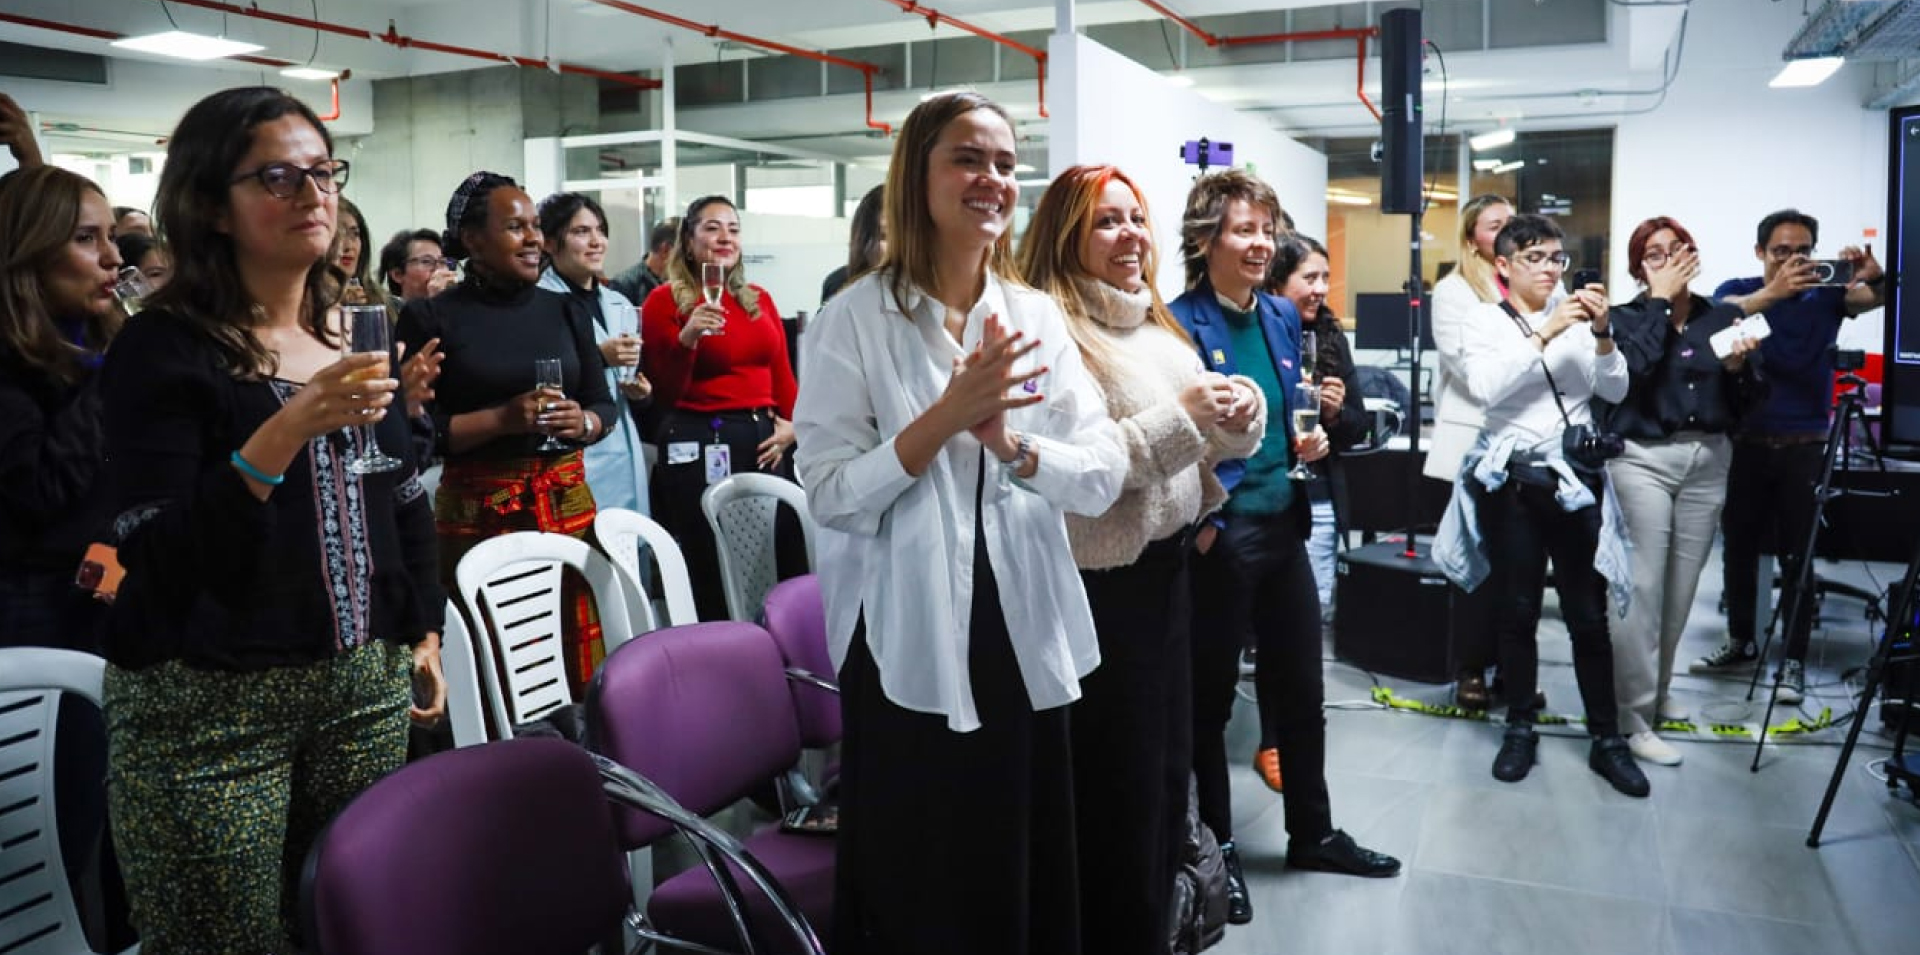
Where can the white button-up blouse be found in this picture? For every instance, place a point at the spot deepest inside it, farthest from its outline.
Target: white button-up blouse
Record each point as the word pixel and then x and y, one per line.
pixel 898 550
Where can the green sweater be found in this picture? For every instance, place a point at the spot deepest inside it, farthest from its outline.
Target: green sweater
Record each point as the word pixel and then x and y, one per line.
pixel 1265 489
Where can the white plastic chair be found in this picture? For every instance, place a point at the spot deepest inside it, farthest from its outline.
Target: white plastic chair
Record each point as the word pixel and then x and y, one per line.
pixel 622 533
pixel 37 914
pixel 510 587
pixel 741 510
pixel 464 704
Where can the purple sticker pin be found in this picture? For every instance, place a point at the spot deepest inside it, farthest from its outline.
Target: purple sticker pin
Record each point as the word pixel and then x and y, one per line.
pixel 1030 386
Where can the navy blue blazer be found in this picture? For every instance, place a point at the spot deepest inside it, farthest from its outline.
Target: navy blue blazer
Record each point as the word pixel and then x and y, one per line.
pixel 1199 313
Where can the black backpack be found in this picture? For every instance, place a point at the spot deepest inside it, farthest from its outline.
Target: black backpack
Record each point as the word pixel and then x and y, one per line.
pixel 1199 886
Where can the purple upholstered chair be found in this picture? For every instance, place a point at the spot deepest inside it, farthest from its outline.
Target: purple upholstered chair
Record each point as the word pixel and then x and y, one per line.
pixel 797 620
pixel 504 848
pixel 703 712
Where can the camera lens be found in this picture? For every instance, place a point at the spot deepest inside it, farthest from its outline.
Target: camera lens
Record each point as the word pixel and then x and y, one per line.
pixel 1823 271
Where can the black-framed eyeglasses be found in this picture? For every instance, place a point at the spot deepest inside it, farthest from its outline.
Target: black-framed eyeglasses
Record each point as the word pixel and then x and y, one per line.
pixel 284 180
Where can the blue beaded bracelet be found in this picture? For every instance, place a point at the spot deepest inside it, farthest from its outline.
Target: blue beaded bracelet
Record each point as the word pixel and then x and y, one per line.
pixel 271 480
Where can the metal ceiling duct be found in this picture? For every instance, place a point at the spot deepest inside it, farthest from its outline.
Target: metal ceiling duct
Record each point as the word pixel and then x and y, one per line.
pixel 1860 30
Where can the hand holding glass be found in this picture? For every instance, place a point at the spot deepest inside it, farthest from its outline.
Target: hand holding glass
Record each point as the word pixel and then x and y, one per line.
pixel 713 281
pixel 368 331
pixel 548 377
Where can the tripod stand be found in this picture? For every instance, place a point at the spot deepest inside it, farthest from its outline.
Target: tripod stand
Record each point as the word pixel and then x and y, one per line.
pixel 1849 407
pixel 1896 646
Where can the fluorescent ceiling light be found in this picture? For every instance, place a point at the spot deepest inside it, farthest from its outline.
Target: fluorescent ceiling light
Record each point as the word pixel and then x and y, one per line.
pixel 309 73
pixel 1180 79
pixel 1492 140
pixel 187 46
pixel 1807 72
pixel 1348 200
pixel 1485 165
pixel 1507 167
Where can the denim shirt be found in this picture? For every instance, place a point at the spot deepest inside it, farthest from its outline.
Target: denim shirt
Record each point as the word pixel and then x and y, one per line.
pixel 1460 548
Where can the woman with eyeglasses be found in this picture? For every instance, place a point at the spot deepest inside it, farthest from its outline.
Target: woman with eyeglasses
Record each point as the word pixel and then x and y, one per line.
pixel 574 228
pixel 1683 401
pixel 522 390
pixel 275 603
pixel 717 356
pixel 1534 486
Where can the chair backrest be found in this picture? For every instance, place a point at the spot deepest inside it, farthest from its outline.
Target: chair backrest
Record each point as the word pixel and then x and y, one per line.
pixel 742 510
pixel 622 533
pixel 797 621
pixel 510 586
pixel 37 914
pixel 500 849
pixel 464 701
pixel 700 710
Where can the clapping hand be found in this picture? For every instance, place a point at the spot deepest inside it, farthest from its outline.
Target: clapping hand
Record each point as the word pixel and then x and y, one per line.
pixel 978 393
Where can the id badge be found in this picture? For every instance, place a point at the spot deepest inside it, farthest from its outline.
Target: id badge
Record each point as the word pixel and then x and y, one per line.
pixel 719 463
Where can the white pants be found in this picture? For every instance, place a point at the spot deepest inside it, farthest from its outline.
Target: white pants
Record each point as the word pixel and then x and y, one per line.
pixel 1671 492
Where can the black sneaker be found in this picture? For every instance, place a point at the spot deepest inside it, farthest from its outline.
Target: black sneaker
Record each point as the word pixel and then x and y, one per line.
pixel 1613 760
pixel 1516 753
pixel 1731 655
pixel 1339 853
pixel 1239 904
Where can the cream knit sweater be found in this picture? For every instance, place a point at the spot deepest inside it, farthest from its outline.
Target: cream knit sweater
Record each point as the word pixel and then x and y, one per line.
pixel 1170 481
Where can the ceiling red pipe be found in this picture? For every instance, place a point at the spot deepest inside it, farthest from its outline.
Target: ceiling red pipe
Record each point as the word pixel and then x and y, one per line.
pixel 1359 35
pixel 395 38
pixel 934 17
pixel 716 32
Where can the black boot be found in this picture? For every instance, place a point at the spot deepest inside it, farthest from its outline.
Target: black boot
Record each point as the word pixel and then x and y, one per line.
pixel 1612 758
pixel 1239 904
pixel 1516 753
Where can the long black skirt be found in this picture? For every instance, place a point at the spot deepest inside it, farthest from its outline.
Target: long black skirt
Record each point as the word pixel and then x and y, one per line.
pixel 955 843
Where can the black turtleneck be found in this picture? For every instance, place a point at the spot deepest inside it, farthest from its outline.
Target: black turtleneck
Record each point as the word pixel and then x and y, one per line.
pixel 588 298
pixel 491 332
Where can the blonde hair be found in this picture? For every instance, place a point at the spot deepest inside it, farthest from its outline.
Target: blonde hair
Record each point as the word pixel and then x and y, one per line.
pixel 911 234
pixel 1050 258
pixel 683 272
pixel 1478 271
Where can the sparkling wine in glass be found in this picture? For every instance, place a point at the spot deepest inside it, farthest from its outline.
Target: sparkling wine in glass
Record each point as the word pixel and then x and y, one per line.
pixel 713 280
pixel 548 377
pixel 1305 409
pixel 130 290
pixel 368 331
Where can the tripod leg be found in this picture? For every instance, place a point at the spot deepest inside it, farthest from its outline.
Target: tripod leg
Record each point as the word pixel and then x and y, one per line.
pixel 1876 673
pixel 1763 606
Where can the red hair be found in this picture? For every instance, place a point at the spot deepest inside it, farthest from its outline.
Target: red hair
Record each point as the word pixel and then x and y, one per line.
pixel 1642 234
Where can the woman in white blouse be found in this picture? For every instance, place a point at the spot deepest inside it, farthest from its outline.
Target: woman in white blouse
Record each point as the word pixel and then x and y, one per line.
pixel 1526 496
pixel 1090 246
pixel 946 426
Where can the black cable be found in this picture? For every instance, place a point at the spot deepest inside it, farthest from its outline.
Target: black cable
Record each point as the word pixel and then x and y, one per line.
pixel 1426 200
pixel 169 13
pixel 314 54
pixel 1173 60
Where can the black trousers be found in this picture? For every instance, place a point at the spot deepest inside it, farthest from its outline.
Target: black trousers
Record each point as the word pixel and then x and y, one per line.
pixel 1769 503
pixel 676 490
pixel 1524 525
pixel 1255 587
pixel 1132 751
pixel 955 843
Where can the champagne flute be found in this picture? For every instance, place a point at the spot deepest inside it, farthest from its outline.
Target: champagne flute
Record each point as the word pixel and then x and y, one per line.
pixel 1309 350
pixel 548 377
pixel 1306 417
pixel 624 373
pixel 713 281
pixel 368 331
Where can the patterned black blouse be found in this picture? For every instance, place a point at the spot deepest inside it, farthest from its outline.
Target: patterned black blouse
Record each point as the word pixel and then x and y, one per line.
pixel 220 579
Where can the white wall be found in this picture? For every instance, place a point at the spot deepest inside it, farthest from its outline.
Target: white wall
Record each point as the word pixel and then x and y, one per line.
pixel 1724 150
pixel 1108 109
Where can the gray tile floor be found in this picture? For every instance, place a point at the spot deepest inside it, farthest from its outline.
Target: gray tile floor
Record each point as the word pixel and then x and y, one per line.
pixel 1715 861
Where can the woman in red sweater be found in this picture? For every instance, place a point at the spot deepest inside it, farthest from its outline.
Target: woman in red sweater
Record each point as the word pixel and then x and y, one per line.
pixel 722 371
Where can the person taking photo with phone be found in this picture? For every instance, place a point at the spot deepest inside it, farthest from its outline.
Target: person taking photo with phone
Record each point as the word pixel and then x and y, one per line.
pixel 1534 486
pixel 1779 449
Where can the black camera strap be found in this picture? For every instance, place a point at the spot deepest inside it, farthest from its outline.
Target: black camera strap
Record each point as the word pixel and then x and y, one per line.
pixel 1553 387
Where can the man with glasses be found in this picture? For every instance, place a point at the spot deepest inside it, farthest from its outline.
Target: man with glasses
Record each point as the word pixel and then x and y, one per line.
pixel 1525 496
pixel 414 266
pixel 1780 446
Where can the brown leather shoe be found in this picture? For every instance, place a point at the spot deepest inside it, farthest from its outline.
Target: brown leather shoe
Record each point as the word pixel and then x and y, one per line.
pixel 1266 762
pixel 1470 692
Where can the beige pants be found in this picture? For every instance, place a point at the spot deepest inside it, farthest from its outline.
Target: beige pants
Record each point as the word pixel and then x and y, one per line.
pixel 1671 492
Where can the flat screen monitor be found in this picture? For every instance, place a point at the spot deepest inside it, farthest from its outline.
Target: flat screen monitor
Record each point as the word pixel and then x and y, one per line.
pixel 1380 321
pixel 1901 400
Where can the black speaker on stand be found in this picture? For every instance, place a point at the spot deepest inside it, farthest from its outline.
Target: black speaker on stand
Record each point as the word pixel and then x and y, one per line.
pixel 1401 155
